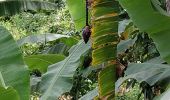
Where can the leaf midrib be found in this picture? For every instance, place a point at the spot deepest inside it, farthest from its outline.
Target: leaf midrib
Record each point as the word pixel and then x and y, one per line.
pixel 57 75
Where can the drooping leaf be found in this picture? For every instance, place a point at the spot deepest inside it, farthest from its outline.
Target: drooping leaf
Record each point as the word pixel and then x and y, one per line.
pixel 40 38
pixel 7 6
pixel 58 78
pixel 12 67
pixel 145 72
pixel 41 62
pixel 152 22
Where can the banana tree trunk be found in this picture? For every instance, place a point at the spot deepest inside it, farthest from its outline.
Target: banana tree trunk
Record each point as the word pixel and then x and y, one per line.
pixel 104 42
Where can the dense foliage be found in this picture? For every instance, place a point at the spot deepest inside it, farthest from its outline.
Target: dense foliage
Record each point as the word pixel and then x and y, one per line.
pixel 39 55
pixel 43 56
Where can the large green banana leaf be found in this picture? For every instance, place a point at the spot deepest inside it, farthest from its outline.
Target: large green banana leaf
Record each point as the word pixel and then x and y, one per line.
pixel 58 78
pixel 12 67
pixel 10 7
pixel 152 22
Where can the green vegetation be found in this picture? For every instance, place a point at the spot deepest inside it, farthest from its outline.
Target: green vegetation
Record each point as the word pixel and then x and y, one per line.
pixel 43 54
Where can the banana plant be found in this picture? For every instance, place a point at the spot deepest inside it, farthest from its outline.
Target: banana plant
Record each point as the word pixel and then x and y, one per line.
pixel 104 43
pixel 104 23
